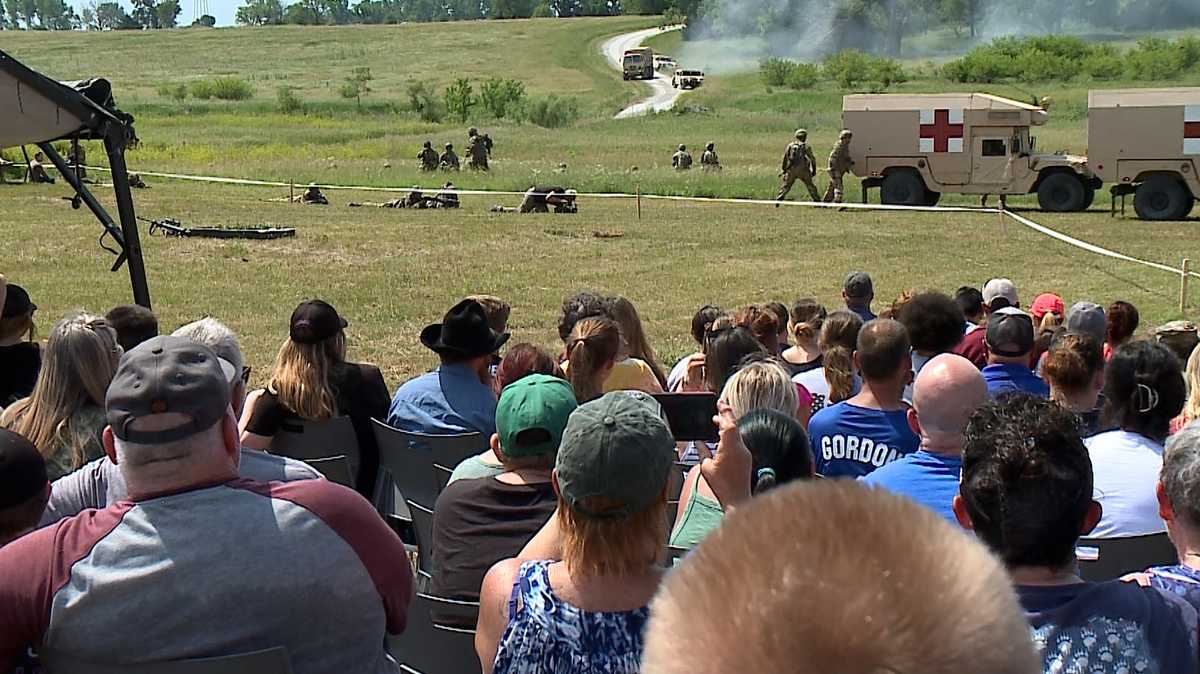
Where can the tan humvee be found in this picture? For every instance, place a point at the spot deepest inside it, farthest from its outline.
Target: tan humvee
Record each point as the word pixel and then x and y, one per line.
pixel 1147 142
pixel 915 147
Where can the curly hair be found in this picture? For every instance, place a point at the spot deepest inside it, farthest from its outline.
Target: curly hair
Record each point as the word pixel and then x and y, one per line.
pixel 934 322
pixel 1026 480
pixel 581 305
pixel 1121 320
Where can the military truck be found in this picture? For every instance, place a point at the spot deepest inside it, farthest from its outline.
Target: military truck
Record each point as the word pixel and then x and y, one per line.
pixel 687 79
pixel 916 147
pixel 1147 143
pixel 638 64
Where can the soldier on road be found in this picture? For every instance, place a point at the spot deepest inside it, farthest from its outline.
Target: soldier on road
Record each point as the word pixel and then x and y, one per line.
pixel 839 165
pixel 798 164
pixel 428 157
pixel 709 160
pixel 449 160
pixel 681 160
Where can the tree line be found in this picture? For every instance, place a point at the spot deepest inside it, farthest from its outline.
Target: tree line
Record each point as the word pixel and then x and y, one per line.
pixel 339 12
pixel 96 15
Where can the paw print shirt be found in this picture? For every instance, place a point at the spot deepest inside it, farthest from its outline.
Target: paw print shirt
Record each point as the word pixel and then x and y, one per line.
pixel 1110 628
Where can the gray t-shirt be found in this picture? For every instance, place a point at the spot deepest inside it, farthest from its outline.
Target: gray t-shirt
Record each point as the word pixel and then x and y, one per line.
pixel 99 484
pixel 472 468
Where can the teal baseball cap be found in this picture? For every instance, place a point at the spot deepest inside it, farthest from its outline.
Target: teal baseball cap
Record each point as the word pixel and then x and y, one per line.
pixel 538 402
pixel 617 447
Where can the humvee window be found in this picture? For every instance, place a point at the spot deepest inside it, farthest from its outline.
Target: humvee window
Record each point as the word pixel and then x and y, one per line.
pixel 994 147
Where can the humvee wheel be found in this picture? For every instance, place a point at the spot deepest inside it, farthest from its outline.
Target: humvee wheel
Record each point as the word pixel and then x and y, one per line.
pixel 1161 198
pixel 932 198
pixel 902 188
pixel 1089 196
pixel 1062 192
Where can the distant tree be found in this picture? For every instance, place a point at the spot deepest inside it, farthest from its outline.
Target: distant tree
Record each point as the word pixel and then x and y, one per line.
pixel 56 15
pixel 87 18
pixel 168 13
pixel 3 17
pixel 143 12
pixel 260 13
pixel 460 98
pixel 336 12
pixel 304 13
pixel 542 10
pixel 22 11
pixel 357 85
pixel 511 9
pixel 205 21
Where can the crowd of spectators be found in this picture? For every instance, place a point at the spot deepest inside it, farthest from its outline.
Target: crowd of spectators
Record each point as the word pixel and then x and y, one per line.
pixel 902 491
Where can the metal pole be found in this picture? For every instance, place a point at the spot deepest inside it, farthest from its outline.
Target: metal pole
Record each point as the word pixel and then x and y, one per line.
pixel 291 190
pixel 1183 284
pixel 639 202
pixel 85 195
pixel 114 145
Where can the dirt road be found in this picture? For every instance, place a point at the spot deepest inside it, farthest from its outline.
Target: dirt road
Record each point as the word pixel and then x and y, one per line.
pixel 664 95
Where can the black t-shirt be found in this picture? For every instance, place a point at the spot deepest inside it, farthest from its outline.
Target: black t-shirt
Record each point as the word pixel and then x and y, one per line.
pixel 479 522
pixel 795 369
pixel 360 393
pixel 19 366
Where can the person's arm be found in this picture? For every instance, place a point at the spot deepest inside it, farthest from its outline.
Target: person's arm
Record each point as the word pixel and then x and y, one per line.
pixel 728 473
pixel 75 492
pixel 685 494
pixel 260 421
pixel 545 544
pixel 27 581
pixel 494 596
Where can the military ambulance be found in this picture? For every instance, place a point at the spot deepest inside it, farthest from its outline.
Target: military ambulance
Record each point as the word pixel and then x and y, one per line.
pixel 1147 142
pixel 916 147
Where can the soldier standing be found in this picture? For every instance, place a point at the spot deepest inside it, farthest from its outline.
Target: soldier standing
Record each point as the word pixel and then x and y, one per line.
pixel 681 160
pixel 428 157
pixel 709 160
pixel 77 159
pixel 487 142
pixel 477 153
pixel 839 164
pixel 449 160
pixel 798 164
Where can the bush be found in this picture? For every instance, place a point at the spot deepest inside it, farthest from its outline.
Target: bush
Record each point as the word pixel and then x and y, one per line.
pixel 1155 59
pixel 775 71
pixel 224 88
pixel 850 67
pixel 1036 65
pixel 501 97
pixel 289 102
pixel 177 92
pixel 202 89
pixel 552 112
pixel 803 76
pixel 460 98
pixel 423 102
pixel 1104 67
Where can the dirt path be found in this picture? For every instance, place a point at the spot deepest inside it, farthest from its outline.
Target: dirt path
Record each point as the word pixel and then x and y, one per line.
pixel 664 95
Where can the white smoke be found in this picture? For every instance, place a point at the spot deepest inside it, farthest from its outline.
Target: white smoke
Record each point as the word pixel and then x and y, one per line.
pixel 734 35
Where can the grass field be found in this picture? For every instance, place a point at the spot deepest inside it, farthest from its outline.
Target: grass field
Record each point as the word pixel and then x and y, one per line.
pixel 391 272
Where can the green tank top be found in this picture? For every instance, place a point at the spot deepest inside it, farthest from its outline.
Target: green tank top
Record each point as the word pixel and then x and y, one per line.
pixel 701 516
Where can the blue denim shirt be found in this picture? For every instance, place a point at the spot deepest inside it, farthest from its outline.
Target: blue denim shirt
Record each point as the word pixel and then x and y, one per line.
pixel 449 400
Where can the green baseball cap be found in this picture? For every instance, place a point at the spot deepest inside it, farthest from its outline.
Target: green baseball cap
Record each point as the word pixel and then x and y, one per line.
pixel 618 447
pixel 536 402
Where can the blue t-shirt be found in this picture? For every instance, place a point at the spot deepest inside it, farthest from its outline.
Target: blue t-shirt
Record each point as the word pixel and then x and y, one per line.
pixel 852 441
pixel 1179 580
pixel 1007 377
pixel 1108 628
pixel 927 478
pixel 449 400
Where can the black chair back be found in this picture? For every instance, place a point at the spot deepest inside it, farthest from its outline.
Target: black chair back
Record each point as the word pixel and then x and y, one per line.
pixel 305 440
pixel 268 661
pixel 429 648
pixel 1103 559
pixel 441 475
pixel 448 450
pixel 409 470
pixel 335 469
pixel 422 519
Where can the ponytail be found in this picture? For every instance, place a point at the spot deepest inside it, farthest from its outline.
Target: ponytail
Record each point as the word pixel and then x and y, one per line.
pixel 593 344
pixel 839 338
pixel 779 447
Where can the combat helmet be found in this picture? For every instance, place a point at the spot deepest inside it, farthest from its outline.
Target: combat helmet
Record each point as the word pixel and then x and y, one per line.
pixel 710 145
pixel 682 147
pixel 801 134
pixel 449 146
pixel 472 131
pixel 845 134
pixel 428 145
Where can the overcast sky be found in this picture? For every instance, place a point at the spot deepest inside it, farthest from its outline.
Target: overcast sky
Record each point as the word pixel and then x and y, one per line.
pixel 224 10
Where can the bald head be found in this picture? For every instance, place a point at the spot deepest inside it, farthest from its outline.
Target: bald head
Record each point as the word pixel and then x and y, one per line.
pixel 948 389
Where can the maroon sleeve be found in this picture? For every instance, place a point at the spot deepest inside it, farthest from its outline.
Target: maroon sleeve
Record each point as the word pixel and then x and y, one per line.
pixel 972 347
pixel 35 567
pixel 357 522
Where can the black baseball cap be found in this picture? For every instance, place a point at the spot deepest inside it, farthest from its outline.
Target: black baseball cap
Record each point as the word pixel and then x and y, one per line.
pixel 315 321
pixel 22 470
pixel 1009 332
pixel 858 285
pixel 168 374
pixel 17 302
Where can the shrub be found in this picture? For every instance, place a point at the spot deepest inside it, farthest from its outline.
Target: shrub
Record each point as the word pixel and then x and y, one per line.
pixel 202 89
pixel 1104 67
pixel 803 76
pixel 552 112
pixel 501 97
pixel 1035 65
pixel 1155 59
pixel 422 101
pixel 231 89
pixel 885 72
pixel 460 98
pixel 775 71
pixel 289 102
pixel 177 92
pixel 847 67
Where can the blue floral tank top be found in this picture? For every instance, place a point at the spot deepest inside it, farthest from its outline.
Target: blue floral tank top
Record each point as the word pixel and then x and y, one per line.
pixel 546 635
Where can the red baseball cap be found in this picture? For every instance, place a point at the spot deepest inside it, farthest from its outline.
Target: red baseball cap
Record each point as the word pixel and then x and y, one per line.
pixel 1046 303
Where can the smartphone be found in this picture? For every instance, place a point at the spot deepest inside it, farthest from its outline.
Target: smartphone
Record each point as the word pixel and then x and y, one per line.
pixel 690 415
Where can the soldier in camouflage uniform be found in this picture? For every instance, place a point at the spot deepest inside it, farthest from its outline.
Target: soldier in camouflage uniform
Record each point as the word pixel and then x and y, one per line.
pixel 681 160
pixel 798 164
pixel 77 159
pixel 839 165
pixel 449 160
pixel 477 151
pixel 709 160
pixel 312 195
pixel 447 197
pixel 428 157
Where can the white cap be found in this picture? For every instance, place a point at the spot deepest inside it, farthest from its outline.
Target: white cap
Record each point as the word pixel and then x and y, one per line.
pixel 1000 287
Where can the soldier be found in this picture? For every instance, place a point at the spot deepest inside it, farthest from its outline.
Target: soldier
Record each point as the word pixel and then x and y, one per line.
pixel 37 170
pixel 312 195
pixel 77 159
pixel 798 164
pixel 449 160
pixel 541 199
pixel 681 160
pixel 135 180
pixel 477 153
pixel 709 160
pixel 428 157
pixel 447 197
pixel 839 164
pixel 487 142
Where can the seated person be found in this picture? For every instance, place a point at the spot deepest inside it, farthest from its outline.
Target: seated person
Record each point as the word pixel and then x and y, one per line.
pixel 479 522
pixel 37 170
pixel 1179 505
pixel 1009 340
pixel 777 581
pixel 457 397
pixel 1027 492
pixel 134 324
pixel 24 488
pixel 449 160
pixel 20 354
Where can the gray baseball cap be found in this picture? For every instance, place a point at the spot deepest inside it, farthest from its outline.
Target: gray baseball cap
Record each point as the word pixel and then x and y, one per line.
pixel 168 375
pixel 1000 288
pixel 858 284
pixel 617 447
pixel 1009 332
pixel 1086 318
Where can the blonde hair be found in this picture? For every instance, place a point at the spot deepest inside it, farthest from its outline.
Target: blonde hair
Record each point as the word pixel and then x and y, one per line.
pixel 761 385
pixel 301 377
pixel 78 364
pixel 598 546
pixel 793 578
pixel 633 336
pixel 496 310
pixel 594 342
pixel 1191 408
pixel 839 339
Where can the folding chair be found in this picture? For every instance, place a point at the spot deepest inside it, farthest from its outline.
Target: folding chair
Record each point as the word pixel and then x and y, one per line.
pixel 1103 559
pixel 422 520
pixel 335 469
pixel 305 440
pixel 427 647
pixel 441 476
pixel 449 450
pixel 403 469
pixel 268 661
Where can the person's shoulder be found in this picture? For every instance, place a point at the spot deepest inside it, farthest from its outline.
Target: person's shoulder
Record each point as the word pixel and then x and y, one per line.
pixel 265 467
pixel 827 415
pixel 328 500
pixel 418 382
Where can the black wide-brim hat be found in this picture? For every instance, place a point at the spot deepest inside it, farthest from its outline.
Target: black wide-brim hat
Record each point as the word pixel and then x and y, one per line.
pixel 463 332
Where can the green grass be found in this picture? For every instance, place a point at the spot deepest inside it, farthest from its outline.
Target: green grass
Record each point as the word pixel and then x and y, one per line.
pixel 392 272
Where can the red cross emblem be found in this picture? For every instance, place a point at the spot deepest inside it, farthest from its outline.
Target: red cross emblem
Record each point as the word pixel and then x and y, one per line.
pixel 1191 129
pixel 941 130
